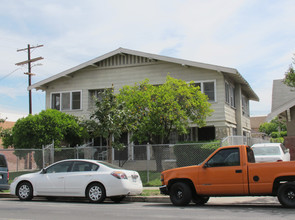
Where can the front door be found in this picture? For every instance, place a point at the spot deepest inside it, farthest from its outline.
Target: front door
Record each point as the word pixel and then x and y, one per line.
pixel 52 181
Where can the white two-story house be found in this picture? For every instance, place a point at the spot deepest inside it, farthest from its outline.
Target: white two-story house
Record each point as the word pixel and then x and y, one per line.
pixel 229 93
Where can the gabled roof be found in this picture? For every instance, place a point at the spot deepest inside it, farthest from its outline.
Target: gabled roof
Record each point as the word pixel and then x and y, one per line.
pixel 283 99
pixel 231 72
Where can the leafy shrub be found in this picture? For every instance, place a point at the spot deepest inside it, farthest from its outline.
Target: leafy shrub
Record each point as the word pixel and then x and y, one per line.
pixel 278 134
pixel 192 154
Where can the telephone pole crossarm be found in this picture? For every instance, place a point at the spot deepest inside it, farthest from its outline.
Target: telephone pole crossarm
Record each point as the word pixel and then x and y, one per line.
pixel 29 61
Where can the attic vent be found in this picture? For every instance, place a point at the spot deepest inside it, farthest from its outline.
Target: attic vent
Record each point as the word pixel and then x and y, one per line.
pixel 123 60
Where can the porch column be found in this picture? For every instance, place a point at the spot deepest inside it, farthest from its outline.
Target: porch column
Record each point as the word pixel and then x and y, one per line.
pixel 239 110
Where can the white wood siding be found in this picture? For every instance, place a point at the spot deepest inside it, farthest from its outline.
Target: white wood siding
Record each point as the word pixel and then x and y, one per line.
pixel 123 70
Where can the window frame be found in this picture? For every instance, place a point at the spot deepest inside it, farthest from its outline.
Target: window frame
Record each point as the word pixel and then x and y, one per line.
pixel 234 150
pixel 245 106
pixel 52 106
pixel 201 82
pixel 230 94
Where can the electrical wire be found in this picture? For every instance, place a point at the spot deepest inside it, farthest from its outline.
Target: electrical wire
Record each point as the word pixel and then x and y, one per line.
pixel 10 73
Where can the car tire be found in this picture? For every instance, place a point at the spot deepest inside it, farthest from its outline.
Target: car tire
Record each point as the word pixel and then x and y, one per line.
pixel 24 191
pixel 200 200
pixel 96 193
pixel 180 194
pixel 117 199
pixel 286 194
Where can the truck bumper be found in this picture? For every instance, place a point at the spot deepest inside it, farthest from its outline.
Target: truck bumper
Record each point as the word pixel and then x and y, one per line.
pixel 164 190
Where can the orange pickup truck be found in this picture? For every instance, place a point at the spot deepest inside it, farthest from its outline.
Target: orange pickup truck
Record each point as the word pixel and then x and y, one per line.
pixel 230 171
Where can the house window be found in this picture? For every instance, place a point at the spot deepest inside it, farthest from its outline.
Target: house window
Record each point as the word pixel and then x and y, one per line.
pixel 93 96
pixel 245 106
pixel 208 88
pixel 66 101
pixel 55 101
pixel 76 100
pixel 230 94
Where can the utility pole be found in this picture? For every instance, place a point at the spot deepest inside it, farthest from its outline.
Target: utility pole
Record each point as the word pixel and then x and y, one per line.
pixel 29 73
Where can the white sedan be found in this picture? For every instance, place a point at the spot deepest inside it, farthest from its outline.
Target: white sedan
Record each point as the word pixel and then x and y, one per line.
pixel 92 179
pixel 270 152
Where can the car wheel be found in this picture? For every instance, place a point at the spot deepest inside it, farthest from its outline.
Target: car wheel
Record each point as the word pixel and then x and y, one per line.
pixel 180 194
pixel 96 192
pixel 200 200
pixel 117 199
pixel 24 191
pixel 286 195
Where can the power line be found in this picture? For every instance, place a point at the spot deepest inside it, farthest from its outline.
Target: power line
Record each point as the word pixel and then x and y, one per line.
pixel 29 73
pixel 10 73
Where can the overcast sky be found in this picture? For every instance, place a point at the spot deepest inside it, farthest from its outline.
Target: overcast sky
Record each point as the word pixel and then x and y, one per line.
pixel 257 37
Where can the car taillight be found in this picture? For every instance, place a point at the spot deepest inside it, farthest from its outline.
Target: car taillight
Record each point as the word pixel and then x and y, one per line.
pixel 7 175
pixel 119 175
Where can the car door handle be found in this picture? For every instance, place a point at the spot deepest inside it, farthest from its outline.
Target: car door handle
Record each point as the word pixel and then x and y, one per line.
pixel 238 171
pixel 61 177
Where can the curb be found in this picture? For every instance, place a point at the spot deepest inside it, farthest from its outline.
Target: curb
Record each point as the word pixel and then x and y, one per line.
pixel 245 200
pixel 128 198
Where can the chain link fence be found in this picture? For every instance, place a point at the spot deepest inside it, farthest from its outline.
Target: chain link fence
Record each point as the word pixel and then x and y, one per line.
pixel 146 159
pixel 242 140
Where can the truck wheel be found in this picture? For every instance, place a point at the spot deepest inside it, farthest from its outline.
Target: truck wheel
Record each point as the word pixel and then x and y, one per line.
pixel 180 194
pixel 286 195
pixel 200 200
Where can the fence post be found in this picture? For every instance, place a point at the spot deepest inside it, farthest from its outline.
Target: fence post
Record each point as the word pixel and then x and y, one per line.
pixel 148 158
pixel 43 156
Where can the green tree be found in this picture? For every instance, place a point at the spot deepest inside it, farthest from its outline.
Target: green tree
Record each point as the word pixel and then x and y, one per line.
pixel 289 79
pixel 157 111
pixel 34 131
pixel 109 116
pixel 274 125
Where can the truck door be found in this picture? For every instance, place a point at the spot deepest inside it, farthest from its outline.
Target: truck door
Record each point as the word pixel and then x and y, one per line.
pixel 223 174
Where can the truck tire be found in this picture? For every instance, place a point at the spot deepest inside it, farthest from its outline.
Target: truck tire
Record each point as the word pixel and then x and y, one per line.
pixel 286 194
pixel 200 200
pixel 180 194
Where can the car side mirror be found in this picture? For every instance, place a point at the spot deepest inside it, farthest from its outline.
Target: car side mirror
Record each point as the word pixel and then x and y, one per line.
pixel 206 165
pixel 43 171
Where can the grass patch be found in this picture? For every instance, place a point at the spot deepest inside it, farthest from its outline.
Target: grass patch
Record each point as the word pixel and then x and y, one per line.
pixel 154 178
pixel 150 192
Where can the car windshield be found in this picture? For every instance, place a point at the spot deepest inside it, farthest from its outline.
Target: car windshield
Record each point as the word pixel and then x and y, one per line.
pixel 259 151
pixel 110 165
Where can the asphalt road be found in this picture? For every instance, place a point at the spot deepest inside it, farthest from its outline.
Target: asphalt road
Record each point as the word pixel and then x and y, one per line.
pixel 12 208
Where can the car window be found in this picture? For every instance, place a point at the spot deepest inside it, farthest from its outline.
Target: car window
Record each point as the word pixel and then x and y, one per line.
pixel 80 166
pixel 225 157
pixel 2 161
pixel 269 150
pixel 110 165
pixel 60 167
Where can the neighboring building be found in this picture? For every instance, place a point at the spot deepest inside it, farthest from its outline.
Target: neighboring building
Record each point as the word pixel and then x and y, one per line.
pixel 256 121
pixel 229 93
pixel 6 125
pixel 283 106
